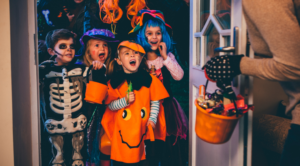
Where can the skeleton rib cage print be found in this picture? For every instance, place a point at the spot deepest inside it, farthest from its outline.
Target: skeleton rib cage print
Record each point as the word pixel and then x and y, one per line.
pixel 63 95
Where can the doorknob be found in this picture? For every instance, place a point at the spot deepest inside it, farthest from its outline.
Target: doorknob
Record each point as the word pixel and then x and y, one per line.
pixel 233 49
pixel 225 49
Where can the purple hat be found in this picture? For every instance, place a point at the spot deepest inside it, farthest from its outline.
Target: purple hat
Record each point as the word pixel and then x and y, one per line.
pixel 101 34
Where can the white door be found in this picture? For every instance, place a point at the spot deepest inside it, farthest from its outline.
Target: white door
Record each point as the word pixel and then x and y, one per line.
pixel 213 24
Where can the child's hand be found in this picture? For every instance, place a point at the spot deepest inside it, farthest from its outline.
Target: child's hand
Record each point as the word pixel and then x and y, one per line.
pixel 97 65
pixel 130 97
pixel 163 50
pixel 151 123
pixel 153 73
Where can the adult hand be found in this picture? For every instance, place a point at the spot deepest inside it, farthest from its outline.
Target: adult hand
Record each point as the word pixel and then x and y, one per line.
pixel 223 68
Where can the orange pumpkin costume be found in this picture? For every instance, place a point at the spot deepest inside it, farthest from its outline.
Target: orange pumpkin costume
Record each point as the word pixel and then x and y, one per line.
pixel 126 128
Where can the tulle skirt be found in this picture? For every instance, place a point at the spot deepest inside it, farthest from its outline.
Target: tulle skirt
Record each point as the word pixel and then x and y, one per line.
pixel 93 136
pixel 176 120
pixel 174 151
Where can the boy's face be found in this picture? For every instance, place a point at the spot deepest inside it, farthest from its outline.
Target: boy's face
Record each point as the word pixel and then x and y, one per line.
pixel 65 51
pixel 129 59
pixel 154 36
pixel 98 50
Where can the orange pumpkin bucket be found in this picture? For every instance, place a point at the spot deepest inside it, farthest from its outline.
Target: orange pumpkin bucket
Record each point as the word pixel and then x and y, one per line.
pixel 213 128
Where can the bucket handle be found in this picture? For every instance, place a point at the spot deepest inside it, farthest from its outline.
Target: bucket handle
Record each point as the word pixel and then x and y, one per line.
pixel 232 100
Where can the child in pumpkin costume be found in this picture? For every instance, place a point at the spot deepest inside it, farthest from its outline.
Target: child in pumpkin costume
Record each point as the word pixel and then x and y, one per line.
pixel 131 116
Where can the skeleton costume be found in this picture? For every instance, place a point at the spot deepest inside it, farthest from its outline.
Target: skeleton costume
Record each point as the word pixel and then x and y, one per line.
pixel 63 111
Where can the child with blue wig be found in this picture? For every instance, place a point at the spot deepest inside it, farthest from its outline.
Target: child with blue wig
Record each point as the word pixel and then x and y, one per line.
pixel 153 36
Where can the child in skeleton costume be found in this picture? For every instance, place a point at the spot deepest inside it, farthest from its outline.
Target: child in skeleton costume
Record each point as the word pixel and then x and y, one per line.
pixel 134 107
pixel 62 91
pixel 152 34
pixel 96 44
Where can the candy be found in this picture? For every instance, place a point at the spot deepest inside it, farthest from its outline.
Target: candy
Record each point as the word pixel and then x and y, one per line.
pixel 213 103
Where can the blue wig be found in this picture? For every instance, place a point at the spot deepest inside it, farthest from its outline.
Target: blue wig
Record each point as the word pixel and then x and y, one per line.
pixel 141 38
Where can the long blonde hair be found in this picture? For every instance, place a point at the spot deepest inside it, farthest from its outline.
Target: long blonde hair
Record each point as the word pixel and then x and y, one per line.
pixel 87 58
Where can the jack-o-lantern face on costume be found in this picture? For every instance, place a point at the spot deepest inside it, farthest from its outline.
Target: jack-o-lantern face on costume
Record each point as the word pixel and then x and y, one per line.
pixel 127 128
pixel 130 118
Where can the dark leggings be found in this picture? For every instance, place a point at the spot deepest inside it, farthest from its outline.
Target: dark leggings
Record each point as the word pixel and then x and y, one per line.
pixel 291 151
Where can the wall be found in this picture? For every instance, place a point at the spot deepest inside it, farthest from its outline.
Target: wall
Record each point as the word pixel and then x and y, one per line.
pixel 21 86
pixel 6 125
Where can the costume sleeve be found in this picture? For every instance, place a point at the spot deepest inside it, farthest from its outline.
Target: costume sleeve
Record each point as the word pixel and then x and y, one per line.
pixel 154 110
pixel 118 104
pixel 111 94
pixel 157 90
pixel 96 89
pixel 273 30
pixel 173 66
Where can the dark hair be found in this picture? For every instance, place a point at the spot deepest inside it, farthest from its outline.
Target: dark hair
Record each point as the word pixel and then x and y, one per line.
pixel 55 35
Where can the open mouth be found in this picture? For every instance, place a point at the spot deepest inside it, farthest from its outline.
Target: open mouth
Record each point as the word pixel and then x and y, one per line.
pixel 69 55
pixel 130 145
pixel 132 62
pixel 101 56
pixel 152 42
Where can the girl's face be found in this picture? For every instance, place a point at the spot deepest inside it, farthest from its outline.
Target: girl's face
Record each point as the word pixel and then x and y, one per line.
pixel 154 36
pixel 65 51
pixel 129 59
pixel 78 1
pixel 98 50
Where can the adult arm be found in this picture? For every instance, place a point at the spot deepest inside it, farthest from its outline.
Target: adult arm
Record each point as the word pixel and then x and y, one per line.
pixel 273 30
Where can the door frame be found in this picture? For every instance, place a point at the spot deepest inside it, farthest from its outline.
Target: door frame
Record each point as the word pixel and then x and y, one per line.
pixel 244 82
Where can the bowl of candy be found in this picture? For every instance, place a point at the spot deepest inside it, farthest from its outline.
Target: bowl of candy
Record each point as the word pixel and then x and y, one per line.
pixel 217 115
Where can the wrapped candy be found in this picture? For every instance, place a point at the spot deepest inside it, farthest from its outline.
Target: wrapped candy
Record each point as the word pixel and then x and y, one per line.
pixel 213 103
